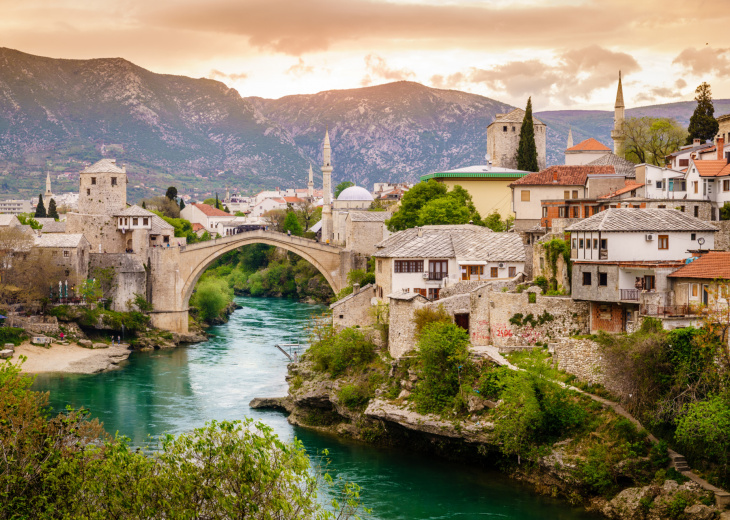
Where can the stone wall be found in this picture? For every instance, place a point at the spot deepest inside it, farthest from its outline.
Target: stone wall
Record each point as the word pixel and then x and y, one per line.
pixel 130 277
pixel 361 237
pixel 502 145
pixel 402 330
pixel 99 230
pixel 354 310
pixel 541 265
pixel 34 324
pixel 722 237
pixel 580 357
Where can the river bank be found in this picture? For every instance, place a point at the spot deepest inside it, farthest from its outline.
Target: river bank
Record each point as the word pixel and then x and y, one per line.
pixel 70 358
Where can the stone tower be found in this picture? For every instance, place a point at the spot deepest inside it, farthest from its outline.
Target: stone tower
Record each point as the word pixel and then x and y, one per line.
pixel 102 188
pixel 327 230
pixel 617 134
pixel 310 184
pixel 48 194
pixel 503 139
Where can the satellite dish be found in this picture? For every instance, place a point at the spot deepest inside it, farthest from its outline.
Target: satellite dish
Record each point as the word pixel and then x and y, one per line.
pixel 700 241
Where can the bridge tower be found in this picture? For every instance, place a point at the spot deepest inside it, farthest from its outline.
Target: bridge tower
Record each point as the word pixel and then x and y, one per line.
pixel 327 230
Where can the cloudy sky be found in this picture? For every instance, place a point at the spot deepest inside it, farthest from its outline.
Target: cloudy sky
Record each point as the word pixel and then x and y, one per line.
pixel 563 53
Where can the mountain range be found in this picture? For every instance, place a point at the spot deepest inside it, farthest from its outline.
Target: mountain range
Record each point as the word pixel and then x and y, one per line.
pixel 201 136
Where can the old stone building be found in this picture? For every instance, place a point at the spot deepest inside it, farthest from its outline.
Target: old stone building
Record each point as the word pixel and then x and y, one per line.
pixel 503 139
pixel 68 251
pixel 365 229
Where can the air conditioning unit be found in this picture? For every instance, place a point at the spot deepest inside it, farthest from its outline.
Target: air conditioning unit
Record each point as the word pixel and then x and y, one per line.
pixel 500 265
pixel 649 181
pixel 649 236
pixel 425 276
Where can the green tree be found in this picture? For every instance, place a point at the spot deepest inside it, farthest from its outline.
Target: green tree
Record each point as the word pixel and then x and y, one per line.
pixel 52 211
pixel 291 223
pixel 217 202
pixel 40 209
pixel 704 429
pixel 527 149
pixel 171 193
pixel 342 186
pixel 445 210
pixel 702 124
pixel 27 220
pixel 212 296
pixel 144 205
pixel 494 221
pixel 182 204
pixel 651 139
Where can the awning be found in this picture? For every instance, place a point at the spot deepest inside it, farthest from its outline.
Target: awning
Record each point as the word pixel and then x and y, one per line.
pixel 471 262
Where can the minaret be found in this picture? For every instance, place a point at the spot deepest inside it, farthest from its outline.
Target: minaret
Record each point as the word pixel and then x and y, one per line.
pixel 48 194
pixel 327 229
pixel 310 184
pixel 570 139
pixel 617 134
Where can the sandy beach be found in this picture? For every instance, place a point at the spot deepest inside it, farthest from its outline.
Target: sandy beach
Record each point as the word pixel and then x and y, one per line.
pixel 70 358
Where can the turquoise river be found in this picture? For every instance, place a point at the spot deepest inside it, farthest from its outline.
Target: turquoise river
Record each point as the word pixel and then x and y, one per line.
pixel 177 390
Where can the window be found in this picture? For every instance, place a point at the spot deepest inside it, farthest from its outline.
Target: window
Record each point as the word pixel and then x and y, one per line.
pixel 494 272
pixel 586 278
pixel 66 253
pixel 649 282
pixel 693 236
pixel 695 185
pixel 726 185
pixel 544 211
pixel 602 279
pixel 504 128
pixel 408 266
pixel 659 185
pixel 575 194
pixel 575 243
pixel 681 208
pixel 166 239
pixel 380 266
pixel 697 210
pixel 93 180
pixel 513 128
pixel 433 294
pixel 135 220
pixel 512 272
pixel 438 269
pixel 146 221
pixel 662 206
pixel 561 212
pixel 588 243
pixel 663 241
pixel 525 195
pixel 604 243
pixel 695 290
pixel 683 162
pixel 580 243
pixel 67 272
pixel 114 181
pixel 566 194
pixel 595 243
pixel 472 272
pixel 88 191
pixel 576 211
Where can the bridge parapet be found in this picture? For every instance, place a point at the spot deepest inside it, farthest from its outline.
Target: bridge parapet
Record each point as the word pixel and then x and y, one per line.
pixel 272 235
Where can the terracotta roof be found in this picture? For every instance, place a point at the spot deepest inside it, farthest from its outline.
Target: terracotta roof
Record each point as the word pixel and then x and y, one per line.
pixel 293 200
pixel 712 168
pixel 589 145
pixel 629 186
pixel 210 211
pixel 690 149
pixel 197 227
pixel 710 266
pixel 563 175
pixel 634 219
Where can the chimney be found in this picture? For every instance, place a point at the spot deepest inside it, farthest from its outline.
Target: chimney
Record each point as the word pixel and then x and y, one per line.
pixel 420 232
pixel 355 288
pixel 555 176
pixel 696 142
pixel 720 148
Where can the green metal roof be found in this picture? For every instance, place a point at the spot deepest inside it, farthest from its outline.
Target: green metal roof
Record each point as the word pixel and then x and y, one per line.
pixel 469 175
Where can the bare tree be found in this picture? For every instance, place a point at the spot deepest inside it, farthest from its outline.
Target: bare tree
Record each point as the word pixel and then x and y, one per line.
pixel 651 139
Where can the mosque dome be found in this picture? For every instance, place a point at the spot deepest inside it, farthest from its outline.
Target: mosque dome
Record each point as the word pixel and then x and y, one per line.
pixel 355 193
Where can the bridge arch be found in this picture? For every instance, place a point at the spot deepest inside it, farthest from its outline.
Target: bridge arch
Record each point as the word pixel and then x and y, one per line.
pixel 300 247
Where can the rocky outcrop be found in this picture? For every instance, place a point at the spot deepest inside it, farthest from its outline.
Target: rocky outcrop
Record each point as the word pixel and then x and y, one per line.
pixel 670 500
pixel 271 403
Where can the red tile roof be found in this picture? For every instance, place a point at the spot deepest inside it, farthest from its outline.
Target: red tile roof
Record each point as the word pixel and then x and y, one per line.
pixel 292 200
pixel 589 145
pixel 710 266
pixel 197 227
pixel 712 168
pixel 563 175
pixel 210 211
pixel 629 186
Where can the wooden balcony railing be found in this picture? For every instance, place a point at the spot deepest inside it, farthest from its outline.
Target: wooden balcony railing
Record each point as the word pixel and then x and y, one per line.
pixel 630 295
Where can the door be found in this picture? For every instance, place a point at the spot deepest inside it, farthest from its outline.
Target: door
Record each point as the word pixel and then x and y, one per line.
pixel 462 320
pixel 705 295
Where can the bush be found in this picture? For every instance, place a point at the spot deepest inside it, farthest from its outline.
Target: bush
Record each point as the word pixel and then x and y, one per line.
pixel 426 315
pixel 349 349
pixel 442 359
pixel 11 335
pixel 212 296
pixel 354 397
pixel 542 283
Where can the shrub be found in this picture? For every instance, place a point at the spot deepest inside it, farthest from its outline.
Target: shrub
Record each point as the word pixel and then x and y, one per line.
pixel 354 397
pixel 212 296
pixel 11 335
pixel 426 315
pixel 349 349
pixel 442 360
pixel 542 283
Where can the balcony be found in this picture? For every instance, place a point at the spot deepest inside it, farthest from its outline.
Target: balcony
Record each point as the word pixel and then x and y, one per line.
pixel 434 276
pixel 667 310
pixel 631 295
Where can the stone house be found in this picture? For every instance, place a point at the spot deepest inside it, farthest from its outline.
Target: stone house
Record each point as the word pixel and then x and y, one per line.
pixel 9 220
pixel 622 257
pixel 585 152
pixel 488 185
pixel 503 139
pixel 365 229
pixel 427 259
pixel 353 198
pixel 679 160
pixel 559 183
pixel 69 251
pixel 703 281
pixel 710 180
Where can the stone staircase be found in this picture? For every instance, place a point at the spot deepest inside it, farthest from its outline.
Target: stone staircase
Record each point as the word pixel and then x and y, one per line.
pixel 680 463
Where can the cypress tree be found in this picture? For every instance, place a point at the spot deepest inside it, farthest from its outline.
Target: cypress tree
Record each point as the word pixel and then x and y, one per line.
pixel 144 206
pixel 702 124
pixel 182 204
pixel 40 209
pixel 52 211
pixel 527 150
pixel 217 202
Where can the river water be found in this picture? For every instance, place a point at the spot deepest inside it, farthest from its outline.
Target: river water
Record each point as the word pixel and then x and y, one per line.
pixel 177 390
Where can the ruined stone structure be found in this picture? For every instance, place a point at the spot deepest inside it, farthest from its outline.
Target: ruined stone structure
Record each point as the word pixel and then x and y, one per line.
pixel 503 139
pixel 174 271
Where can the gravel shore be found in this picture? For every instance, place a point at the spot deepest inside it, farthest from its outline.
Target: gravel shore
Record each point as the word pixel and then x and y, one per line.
pixel 70 358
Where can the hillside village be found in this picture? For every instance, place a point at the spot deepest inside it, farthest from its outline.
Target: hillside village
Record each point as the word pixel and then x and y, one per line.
pixel 546 256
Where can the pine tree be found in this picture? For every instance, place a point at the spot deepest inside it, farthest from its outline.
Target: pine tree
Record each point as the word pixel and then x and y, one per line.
pixel 182 204
pixel 52 211
pixel 40 209
pixel 217 202
pixel 144 206
pixel 527 150
pixel 702 124
pixel 171 193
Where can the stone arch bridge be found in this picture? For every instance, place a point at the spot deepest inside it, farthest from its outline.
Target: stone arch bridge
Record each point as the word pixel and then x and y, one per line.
pixel 174 271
